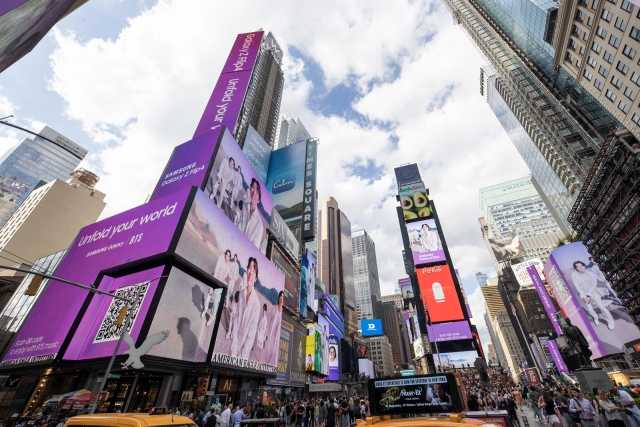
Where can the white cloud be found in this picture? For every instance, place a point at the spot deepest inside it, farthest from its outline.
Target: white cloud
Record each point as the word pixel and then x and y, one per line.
pixel 8 135
pixel 143 93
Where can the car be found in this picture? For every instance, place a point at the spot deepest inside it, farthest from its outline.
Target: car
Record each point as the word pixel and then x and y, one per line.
pixel 130 420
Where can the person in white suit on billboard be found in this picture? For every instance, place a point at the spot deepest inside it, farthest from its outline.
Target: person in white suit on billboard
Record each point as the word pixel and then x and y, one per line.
pixel 586 284
pixel 224 177
pixel 249 311
pixel 238 181
pixel 273 338
pixel 252 220
pixel 428 239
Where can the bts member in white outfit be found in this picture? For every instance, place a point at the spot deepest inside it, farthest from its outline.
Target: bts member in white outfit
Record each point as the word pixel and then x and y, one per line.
pixel 586 284
pixel 224 177
pixel 428 239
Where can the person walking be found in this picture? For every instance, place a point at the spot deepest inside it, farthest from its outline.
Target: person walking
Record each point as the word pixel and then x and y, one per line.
pixel 225 416
pixel 331 412
pixel 610 410
pixel 626 401
pixel 548 406
pixel 321 413
pixel 238 416
pixel 585 410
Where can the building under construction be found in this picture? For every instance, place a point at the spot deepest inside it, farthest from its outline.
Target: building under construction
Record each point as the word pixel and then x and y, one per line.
pixel 606 216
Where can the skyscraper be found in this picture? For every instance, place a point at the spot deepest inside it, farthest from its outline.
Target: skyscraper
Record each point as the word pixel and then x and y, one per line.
pixel 393 327
pixel 290 130
pixel 262 101
pixel 482 278
pixel 566 123
pixel 365 276
pixel 33 163
pixel 335 260
pixel 517 207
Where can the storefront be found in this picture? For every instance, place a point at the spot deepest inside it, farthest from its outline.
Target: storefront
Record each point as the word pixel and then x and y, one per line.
pixel 135 391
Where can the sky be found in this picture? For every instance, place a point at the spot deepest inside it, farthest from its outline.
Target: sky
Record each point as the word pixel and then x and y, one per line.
pixel 380 84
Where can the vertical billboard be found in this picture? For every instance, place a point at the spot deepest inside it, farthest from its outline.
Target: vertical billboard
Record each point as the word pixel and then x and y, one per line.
pixel 439 293
pixel 307 282
pixel 424 242
pixel 414 199
pixel 136 234
pixel 226 100
pixel 557 357
pixel 298 357
pixel 534 277
pixel 323 326
pixel 309 203
pixel 238 191
pixel 334 358
pixel 406 289
pixel 313 348
pixel 258 152
pixel 283 372
pixel 249 329
pixel 285 181
pixel 291 279
pixel 586 297
pixel 188 164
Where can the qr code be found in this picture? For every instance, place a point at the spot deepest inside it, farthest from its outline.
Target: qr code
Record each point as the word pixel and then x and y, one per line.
pixel 560 285
pixel 109 331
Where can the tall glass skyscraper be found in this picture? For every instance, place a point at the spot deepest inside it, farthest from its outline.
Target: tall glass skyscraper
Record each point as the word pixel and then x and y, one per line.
pixel 33 163
pixel 365 273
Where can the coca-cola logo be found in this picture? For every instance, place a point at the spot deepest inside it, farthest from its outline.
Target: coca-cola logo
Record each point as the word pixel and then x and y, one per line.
pixel 434 269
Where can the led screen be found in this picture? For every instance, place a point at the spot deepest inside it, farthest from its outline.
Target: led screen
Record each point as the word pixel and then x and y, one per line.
pixel 371 327
pixel 313 352
pixel 536 280
pixel 283 373
pixel 132 235
pixel 298 357
pixel 450 331
pixel 439 293
pixel 416 395
pixel 258 152
pixel 235 188
pixel 406 289
pixel 187 310
pixel 334 358
pixel 291 278
pixel 425 243
pixel 255 287
pixel 586 297
pixel 414 199
pixel 325 333
pixel 307 282
pixel 455 359
pixel 285 181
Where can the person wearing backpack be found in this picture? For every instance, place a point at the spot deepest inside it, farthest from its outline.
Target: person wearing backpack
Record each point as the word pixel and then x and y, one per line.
pixel 582 411
pixel 357 410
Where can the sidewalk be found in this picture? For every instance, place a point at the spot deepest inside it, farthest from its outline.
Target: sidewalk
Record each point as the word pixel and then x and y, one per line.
pixel 528 413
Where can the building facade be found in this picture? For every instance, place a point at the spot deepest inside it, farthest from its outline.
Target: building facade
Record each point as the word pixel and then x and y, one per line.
pixel 33 163
pixel 482 278
pixel 394 328
pixel 492 356
pixel 290 130
pixel 506 334
pixel 494 306
pixel 381 355
pixel 596 43
pixel 365 274
pixel 335 260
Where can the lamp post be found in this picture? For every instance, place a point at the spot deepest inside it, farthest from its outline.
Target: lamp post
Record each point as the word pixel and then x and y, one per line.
pixel 130 304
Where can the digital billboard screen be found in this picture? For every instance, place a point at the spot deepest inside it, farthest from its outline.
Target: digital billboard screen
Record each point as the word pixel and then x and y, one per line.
pixel 313 348
pixel 536 280
pixel 414 199
pixel 291 278
pixel 450 331
pixel 285 181
pixel 298 357
pixel 505 248
pixel 419 394
pixel 258 152
pixel 252 309
pixel 325 333
pixel 425 243
pixel 238 191
pixel 188 310
pixel 439 293
pixel 283 235
pixel 309 277
pixel 406 288
pixel 283 372
pixel 371 327
pixel 582 289
pixel 334 358
pixel 455 359
pixel 188 164
pixel 133 235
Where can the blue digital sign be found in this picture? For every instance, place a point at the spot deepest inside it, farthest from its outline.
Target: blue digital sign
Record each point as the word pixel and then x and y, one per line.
pixel 371 327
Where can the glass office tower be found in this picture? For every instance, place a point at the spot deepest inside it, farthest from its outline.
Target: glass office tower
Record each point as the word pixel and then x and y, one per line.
pixel 366 280
pixel 33 163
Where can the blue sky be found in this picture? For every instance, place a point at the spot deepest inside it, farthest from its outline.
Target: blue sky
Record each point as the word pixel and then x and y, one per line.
pixel 380 85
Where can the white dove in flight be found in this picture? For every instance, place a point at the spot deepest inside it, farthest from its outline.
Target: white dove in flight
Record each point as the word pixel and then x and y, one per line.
pixel 135 353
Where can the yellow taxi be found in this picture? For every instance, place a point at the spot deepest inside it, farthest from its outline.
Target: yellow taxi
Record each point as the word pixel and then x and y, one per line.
pixel 130 420
pixel 454 420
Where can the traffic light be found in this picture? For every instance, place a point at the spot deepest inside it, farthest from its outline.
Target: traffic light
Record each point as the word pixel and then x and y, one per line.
pixel 32 289
pixel 122 315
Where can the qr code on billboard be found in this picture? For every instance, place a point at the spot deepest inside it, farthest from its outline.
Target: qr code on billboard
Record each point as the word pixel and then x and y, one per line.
pixel 109 331
pixel 560 285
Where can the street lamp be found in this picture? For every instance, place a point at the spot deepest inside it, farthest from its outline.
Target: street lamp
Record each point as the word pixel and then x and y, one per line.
pixel 33 288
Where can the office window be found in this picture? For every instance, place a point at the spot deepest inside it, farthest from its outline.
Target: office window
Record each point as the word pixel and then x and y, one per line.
pixel 598 84
pixel 628 51
pixel 610 95
pixel 569 57
pixel 587 74
pixel 590 21
pixel 630 93
pixel 581 50
pixel 606 15
pixel 614 41
pixel 622 67
pixel 623 107
pixel 591 62
pixel 594 6
pixel 601 32
pixel 572 44
pixel 616 82
pixel 635 33
pixel 596 47
pixel 636 118
pixel 621 24
pixel 626 5
pixel 585 36
pixel 608 57
pixel 580 15
pixel 603 71
pixel 576 30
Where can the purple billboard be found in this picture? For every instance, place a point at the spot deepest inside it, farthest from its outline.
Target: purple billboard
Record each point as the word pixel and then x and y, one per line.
pixel 249 329
pixel 544 297
pixel 236 188
pixel 450 331
pixel 130 236
pixel 425 242
pixel 188 164
pixel 581 289
pixel 552 346
pixel 226 100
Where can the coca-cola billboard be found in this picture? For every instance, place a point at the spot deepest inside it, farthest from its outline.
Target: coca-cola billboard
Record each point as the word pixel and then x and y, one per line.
pixel 439 294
